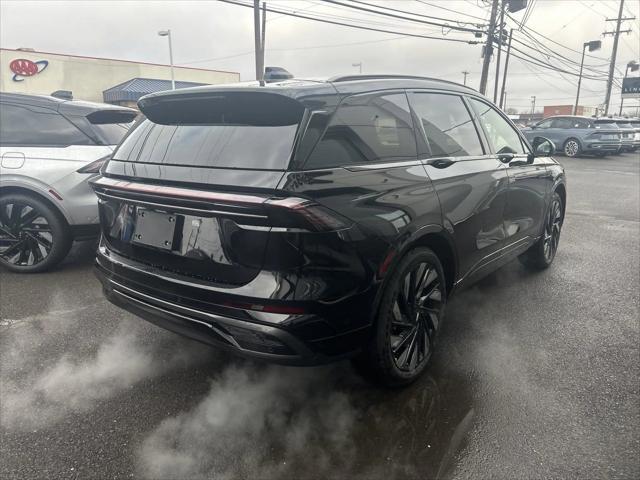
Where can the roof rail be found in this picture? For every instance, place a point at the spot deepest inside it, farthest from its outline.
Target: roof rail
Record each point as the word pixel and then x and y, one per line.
pixel 349 78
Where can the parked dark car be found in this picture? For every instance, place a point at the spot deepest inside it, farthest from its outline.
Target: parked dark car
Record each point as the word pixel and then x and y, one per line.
pixel 305 222
pixel 576 135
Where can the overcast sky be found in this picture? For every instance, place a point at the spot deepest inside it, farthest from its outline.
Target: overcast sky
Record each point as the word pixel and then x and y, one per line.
pixel 210 34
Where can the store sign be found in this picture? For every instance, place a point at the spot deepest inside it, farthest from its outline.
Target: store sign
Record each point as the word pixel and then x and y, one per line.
pixel 22 68
pixel 631 87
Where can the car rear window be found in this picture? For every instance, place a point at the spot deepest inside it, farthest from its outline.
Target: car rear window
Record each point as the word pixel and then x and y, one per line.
pixel 226 129
pixel 222 146
pixel 112 133
pixel 110 126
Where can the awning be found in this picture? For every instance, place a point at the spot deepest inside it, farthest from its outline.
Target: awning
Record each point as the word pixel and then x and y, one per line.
pixel 132 90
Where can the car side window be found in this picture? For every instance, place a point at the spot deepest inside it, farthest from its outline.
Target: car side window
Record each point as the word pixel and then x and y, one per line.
pixel 365 129
pixel 562 123
pixel 447 125
pixel 544 124
pixel 503 137
pixel 26 127
pixel 578 123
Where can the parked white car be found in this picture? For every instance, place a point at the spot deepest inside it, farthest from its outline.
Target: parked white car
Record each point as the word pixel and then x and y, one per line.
pixel 49 149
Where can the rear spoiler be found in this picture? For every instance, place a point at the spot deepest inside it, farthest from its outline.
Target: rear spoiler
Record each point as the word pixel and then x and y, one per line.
pixel 222 107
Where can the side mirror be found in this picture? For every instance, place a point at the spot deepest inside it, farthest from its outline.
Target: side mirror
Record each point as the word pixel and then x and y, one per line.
pixel 543 147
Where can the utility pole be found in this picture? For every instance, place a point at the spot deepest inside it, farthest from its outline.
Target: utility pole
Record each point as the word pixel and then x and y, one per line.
pixel 503 103
pixel 495 85
pixel 612 65
pixel 258 40
pixel 488 48
pixel 465 73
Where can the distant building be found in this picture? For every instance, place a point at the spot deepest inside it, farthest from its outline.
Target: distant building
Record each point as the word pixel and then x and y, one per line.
pixel 551 110
pixel 96 79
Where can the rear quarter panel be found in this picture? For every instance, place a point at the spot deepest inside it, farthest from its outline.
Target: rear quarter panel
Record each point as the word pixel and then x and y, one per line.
pixel 46 168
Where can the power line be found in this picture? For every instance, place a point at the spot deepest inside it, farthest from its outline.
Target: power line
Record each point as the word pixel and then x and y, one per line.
pixel 412 13
pixel 450 10
pixel 567 62
pixel 532 31
pixel 392 15
pixel 360 27
pixel 293 49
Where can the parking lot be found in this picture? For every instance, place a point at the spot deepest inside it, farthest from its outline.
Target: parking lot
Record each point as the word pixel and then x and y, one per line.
pixel 536 375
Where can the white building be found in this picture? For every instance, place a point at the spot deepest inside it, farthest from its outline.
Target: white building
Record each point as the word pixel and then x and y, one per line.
pixel 96 79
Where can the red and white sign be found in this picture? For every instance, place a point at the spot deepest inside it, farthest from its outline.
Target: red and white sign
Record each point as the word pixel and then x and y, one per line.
pixel 22 68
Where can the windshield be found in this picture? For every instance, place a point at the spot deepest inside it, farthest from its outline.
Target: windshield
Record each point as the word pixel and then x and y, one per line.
pixel 222 146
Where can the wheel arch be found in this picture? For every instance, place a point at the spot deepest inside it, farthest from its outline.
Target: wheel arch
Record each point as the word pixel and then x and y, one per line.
pixel 561 190
pixel 434 237
pixel 4 190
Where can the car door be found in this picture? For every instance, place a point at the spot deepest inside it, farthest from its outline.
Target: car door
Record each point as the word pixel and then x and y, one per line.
pixel 470 182
pixel 529 180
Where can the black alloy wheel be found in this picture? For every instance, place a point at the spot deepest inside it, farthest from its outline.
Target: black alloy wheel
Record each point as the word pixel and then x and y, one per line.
pixel 409 317
pixel 33 236
pixel 542 253
pixel 552 228
pixel 416 317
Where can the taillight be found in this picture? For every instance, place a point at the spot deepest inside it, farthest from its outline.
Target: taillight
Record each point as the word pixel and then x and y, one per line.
pixel 299 213
pixel 95 166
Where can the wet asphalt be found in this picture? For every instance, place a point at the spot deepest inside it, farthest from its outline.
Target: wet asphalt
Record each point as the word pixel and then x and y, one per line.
pixel 535 376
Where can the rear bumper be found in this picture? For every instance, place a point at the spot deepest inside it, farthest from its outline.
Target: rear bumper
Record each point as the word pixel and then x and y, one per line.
pixel 297 340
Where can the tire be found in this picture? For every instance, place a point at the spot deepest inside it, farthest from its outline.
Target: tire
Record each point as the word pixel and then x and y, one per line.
pixel 34 237
pixel 407 322
pixel 542 253
pixel 571 148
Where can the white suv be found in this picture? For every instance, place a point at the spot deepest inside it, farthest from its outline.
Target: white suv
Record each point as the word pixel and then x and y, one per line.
pixel 49 149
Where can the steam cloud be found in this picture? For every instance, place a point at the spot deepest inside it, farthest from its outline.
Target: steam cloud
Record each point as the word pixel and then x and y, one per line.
pixel 72 386
pixel 261 422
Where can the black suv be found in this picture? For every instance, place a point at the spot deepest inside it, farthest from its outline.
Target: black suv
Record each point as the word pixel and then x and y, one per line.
pixel 303 222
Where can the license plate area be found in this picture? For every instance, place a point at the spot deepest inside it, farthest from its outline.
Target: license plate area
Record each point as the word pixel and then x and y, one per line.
pixel 156 229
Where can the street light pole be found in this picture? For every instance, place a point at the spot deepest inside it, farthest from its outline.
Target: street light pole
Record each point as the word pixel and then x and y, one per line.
pixel 359 65
pixel 633 65
pixel 593 45
pixel 533 106
pixel 504 78
pixel 575 107
pixel 167 33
